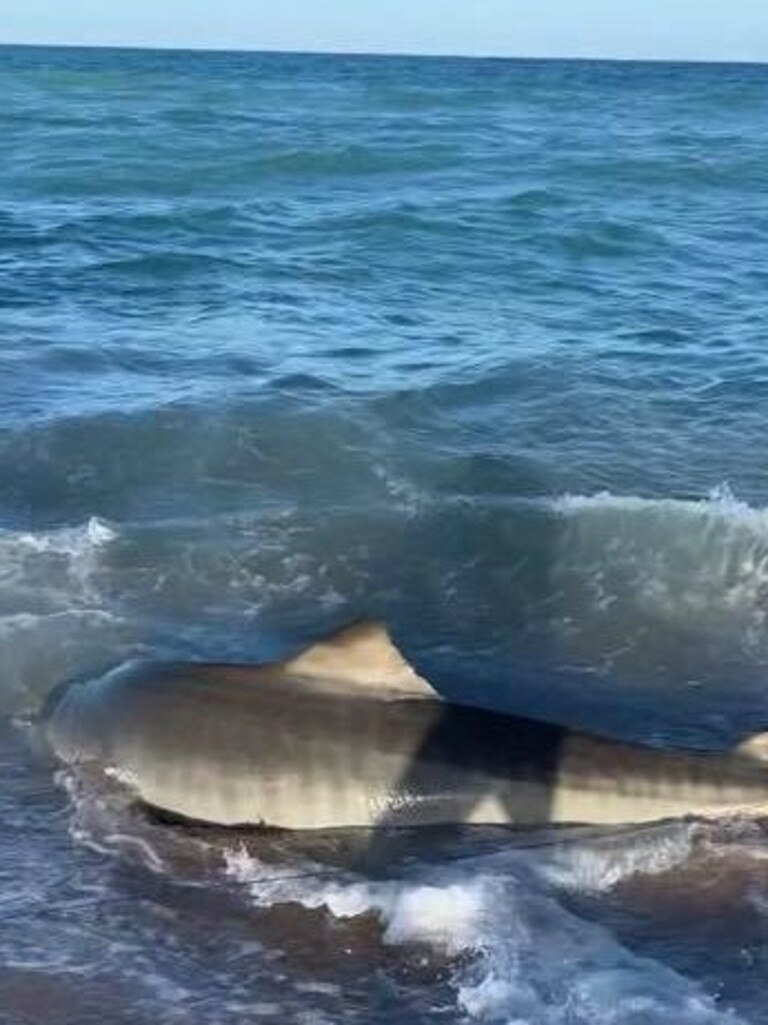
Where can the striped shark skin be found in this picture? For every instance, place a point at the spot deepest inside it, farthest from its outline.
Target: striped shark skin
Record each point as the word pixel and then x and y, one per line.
pixel 347 734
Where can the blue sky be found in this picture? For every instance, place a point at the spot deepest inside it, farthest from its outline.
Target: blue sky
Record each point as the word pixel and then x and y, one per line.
pixel 688 29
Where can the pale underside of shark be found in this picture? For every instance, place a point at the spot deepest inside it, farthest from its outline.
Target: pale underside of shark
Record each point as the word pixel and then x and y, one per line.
pixel 347 734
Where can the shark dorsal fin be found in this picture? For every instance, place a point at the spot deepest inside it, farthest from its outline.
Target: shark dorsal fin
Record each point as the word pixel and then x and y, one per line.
pixel 359 658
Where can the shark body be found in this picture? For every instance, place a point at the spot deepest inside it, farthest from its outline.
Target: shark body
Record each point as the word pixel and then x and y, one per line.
pixel 347 734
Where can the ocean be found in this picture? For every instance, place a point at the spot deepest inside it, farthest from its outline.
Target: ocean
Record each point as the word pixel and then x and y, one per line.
pixel 477 347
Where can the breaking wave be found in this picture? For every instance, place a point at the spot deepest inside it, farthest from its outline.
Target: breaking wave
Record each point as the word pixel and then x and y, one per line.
pixel 547 606
pixel 674 590
pixel 518 953
pixel 54 619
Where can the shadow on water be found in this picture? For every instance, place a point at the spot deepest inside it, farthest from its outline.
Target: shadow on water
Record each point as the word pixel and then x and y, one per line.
pixel 467 756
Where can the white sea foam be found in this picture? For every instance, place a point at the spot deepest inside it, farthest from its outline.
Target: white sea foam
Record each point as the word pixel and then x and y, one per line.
pixel 600 865
pixel 720 501
pixel 531 961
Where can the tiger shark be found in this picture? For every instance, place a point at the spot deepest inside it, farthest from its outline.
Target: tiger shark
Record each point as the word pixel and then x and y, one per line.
pixel 347 734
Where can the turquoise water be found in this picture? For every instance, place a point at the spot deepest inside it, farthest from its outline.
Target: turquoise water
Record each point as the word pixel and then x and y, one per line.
pixel 474 346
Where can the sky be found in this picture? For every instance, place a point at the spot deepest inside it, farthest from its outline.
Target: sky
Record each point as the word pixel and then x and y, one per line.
pixel 656 29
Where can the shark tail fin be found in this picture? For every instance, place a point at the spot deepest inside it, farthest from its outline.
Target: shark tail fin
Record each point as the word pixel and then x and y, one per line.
pixel 755 747
pixel 362 657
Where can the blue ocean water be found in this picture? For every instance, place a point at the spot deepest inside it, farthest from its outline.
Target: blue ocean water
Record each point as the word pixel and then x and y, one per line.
pixel 476 346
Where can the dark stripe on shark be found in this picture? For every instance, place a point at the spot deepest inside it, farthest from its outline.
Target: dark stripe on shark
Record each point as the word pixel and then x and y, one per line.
pixel 469 755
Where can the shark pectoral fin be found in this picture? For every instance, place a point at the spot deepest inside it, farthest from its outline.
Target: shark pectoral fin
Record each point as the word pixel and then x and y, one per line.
pixel 362 657
pixel 755 747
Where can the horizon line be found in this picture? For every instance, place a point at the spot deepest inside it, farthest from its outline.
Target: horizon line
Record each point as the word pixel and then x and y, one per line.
pixel 429 55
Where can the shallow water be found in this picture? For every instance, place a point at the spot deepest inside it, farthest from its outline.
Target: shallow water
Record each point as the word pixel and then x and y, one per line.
pixel 474 346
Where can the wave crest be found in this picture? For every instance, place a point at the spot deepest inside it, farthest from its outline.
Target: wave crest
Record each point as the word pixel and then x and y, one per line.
pixel 54 619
